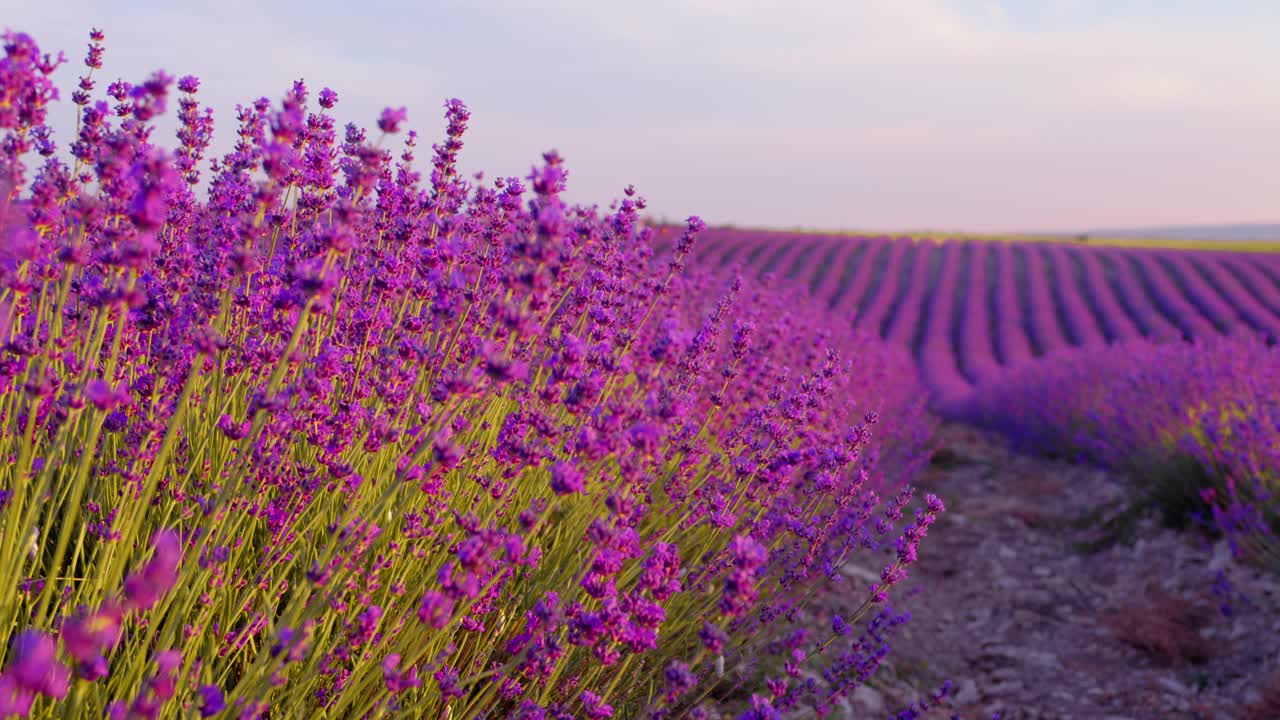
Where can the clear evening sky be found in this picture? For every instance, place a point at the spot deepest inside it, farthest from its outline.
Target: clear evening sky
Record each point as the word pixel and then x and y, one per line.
pixel 878 114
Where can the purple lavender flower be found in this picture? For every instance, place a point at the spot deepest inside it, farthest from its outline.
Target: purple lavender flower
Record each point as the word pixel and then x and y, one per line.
pixel 713 638
pixel 839 626
pixel 102 395
pixel 87 635
pixel 447 678
pixel 93 669
pixel 565 479
pixel 390 119
pixel 594 706
pixel 435 610
pixel 34 665
pixel 144 588
pixel 396 680
pixel 15 700
pixel 211 700
pixel 678 679
pixel 760 709
pixel 748 554
pixel 292 644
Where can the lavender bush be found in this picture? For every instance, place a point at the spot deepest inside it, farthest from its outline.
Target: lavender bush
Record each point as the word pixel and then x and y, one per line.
pixel 1195 423
pixel 342 438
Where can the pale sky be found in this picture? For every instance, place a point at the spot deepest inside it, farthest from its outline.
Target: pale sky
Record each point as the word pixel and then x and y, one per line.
pixel 878 114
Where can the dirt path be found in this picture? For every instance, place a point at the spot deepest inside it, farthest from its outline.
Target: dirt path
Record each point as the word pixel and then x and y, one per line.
pixel 1028 625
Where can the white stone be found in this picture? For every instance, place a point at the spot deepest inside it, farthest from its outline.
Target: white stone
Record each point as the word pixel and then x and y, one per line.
pixel 967 692
pixel 869 698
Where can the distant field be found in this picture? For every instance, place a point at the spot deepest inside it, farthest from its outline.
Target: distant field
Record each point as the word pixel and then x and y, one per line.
pixel 1097 240
pixel 968 310
pixel 1268 246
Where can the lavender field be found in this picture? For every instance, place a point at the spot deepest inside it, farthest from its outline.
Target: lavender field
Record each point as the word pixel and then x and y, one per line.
pixel 1107 354
pixel 324 426
pixel 968 311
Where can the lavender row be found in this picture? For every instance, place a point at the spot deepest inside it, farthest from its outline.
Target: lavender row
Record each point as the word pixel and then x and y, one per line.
pixel 1252 281
pixel 1120 327
pixel 1169 299
pixel 938 362
pixel 1150 320
pixel 849 297
pixel 833 274
pixel 881 301
pixel 908 313
pixel 1011 336
pixel 1081 324
pixel 1204 298
pixel 1246 277
pixel 1046 331
pixel 976 347
pixel 1249 307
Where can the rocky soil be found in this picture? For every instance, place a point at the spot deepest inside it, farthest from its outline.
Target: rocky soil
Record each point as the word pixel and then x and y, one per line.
pixel 1027 623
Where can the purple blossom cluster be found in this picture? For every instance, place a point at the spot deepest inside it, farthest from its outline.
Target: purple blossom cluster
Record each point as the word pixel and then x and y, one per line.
pixel 347 439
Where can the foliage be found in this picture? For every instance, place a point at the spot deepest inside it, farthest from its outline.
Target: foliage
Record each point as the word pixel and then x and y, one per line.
pixel 346 440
